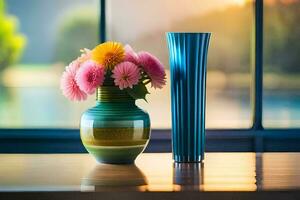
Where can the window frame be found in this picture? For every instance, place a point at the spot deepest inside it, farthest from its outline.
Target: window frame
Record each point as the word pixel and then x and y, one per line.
pixel 254 139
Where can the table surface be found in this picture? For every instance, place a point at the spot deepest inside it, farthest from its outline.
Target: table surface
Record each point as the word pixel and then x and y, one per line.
pixel 151 172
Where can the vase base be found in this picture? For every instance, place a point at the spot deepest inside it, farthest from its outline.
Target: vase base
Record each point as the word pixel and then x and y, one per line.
pixel 115 154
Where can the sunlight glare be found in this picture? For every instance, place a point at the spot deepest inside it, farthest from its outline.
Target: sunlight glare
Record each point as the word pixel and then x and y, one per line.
pixel 240 2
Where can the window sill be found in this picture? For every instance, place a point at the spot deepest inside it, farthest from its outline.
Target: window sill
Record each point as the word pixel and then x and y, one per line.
pixel 235 140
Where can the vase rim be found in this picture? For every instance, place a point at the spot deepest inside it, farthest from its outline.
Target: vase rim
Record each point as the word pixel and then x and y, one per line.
pixel 192 33
pixel 112 94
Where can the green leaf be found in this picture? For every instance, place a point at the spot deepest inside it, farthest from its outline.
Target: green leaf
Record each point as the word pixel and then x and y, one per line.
pixel 138 91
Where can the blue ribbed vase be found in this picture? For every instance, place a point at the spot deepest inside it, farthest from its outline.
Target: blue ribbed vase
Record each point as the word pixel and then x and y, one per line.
pixel 188 55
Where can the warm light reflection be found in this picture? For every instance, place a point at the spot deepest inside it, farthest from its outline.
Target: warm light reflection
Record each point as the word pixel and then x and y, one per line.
pixel 240 2
pixel 274 2
pixel 152 172
pixel 220 172
pixel 229 172
pixel 280 172
pixel 158 171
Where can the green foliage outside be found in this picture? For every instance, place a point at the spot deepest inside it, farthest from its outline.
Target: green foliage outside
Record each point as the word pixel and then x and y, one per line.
pixel 282 37
pixel 78 30
pixel 11 42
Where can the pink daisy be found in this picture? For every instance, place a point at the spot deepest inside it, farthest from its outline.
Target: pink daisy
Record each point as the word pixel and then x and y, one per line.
pixel 85 56
pixel 69 86
pixel 153 68
pixel 74 65
pixel 90 76
pixel 130 55
pixel 126 74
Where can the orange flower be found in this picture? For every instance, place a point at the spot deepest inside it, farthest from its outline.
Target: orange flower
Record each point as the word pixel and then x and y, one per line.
pixel 108 54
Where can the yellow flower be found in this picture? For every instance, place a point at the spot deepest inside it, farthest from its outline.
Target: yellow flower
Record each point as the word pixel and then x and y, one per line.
pixel 108 54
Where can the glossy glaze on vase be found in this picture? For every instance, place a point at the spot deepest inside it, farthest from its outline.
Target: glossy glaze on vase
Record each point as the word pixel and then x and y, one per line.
pixel 188 55
pixel 115 131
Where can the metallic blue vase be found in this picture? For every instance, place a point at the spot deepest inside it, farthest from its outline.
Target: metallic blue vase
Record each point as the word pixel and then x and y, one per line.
pixel 188 55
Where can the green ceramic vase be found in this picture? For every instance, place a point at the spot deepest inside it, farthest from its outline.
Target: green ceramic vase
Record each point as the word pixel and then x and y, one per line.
pixel 115 131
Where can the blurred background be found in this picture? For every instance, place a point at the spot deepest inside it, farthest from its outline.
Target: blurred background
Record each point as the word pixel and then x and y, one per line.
pixel 38 38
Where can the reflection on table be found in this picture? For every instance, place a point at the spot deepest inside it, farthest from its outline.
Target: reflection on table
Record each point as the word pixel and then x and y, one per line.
pixel 151 172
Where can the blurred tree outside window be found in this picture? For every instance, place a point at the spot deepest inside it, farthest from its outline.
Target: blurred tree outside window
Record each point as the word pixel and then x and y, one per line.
pixel 11 41
pixel 55 30
pixel 80 25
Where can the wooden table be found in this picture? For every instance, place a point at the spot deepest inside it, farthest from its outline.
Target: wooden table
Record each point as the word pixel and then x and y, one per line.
pixel 221 176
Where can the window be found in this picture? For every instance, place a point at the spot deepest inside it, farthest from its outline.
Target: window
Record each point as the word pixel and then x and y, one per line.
pixel 281 64
pixel 229 62
pixel 30 95
pixel 54 32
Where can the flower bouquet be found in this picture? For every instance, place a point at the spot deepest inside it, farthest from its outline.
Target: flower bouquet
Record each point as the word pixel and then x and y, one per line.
pixel 112 64
pixel 115 130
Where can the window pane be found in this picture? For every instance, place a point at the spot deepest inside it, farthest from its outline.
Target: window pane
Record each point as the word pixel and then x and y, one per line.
pixel 143 25
pixel 281 64
pixel 54 32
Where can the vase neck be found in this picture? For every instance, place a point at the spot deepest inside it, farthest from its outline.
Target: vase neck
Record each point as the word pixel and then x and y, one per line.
pixel 113 94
